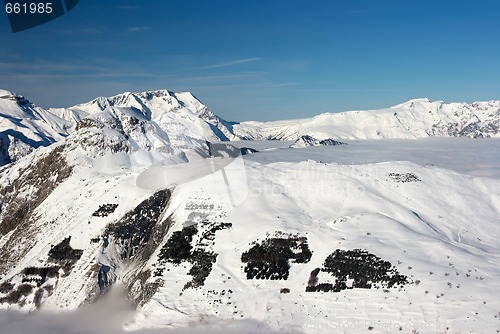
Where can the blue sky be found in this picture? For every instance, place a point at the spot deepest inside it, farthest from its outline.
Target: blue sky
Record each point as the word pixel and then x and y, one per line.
pixel 261 60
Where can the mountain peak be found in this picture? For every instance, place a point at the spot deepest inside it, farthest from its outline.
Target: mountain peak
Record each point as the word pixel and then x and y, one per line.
pixel 4 93
pixel 413 102
pixel 11 96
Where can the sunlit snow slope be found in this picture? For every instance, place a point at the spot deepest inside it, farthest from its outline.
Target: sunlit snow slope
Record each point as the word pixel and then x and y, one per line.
pixel 413 119
pixel 25 126
pixel 180 253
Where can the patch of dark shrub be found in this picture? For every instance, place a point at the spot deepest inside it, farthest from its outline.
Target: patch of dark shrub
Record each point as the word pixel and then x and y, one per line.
pixel 15 295
pixel 64 255
pixel 178 246
pixel 178 249
pixel 202 266
pixel 313 278
pixel 39 274
pixel 12 298
pixel 270 258
pixel 6 287
pixel 37 299
pixel 365 269
pixel 95 240
pixel 404 177
pixel 211 228
pixel 104 210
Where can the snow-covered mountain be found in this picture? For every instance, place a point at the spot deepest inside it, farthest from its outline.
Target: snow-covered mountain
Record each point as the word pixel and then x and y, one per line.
pixel 317 238
pixel 25 126
pixel 178 118
pixel 417 118
pixel 178 114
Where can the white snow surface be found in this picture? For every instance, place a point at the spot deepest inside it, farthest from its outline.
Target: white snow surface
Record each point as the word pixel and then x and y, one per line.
pixel 416 118
pixel 441 230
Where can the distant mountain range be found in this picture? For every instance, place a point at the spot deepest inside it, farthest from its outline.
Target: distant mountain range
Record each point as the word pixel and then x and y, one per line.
pixel 417 118
pixel 181 119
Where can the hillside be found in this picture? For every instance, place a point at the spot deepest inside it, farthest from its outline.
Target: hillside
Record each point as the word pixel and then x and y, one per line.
pixel 307 238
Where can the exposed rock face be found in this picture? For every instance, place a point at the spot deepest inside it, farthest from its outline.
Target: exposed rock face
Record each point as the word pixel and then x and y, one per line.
pixel 38 180
pixel 133 239
pixel 141 230
pixel 306 141
pixel 140 116
pixel 247 150
pixel 23 190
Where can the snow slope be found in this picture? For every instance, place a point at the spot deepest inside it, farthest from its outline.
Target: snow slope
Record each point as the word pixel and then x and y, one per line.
pixel 435 225
pixel 439 228
pixel 413 119
pixel 25 126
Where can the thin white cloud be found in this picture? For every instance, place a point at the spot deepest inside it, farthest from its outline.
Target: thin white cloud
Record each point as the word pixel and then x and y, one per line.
pixel 233 62
pixel 136 29
pixel 89 31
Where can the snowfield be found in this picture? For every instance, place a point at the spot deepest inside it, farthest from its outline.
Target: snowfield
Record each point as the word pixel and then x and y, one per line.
pixel 440 229
pixel 377 235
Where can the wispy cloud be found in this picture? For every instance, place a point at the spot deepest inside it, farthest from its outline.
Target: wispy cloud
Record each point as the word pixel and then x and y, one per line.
pixel 227 78
pixel 50 70
pixel 137 29
pixel 232 63
pixel 89 31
